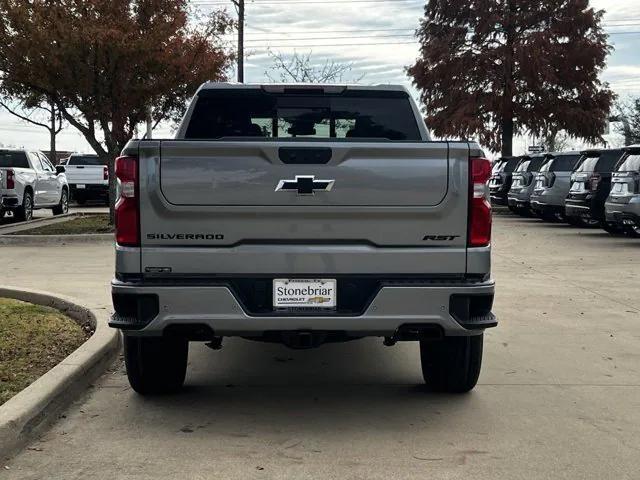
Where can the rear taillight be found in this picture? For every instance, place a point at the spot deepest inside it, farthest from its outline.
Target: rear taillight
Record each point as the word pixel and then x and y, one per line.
pixel 594 181
pixel 11 184
pixel 105 173
pixel 479 205
pixel 127 207
pixel 551 179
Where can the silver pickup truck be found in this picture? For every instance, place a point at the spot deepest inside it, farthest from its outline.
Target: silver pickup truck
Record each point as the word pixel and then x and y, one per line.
pixel 302 215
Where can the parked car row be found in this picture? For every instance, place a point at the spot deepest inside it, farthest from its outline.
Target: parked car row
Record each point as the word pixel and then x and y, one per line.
pixel 590 188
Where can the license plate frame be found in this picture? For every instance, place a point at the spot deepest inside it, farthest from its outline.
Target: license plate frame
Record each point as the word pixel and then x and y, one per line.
pixel 81 186
pixel 315 294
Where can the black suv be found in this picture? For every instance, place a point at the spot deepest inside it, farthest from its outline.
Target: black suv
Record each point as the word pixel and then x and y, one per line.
pixel 501 179
pixel 590 187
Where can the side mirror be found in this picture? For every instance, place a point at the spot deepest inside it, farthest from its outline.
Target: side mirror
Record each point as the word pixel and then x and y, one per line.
pixel 60 169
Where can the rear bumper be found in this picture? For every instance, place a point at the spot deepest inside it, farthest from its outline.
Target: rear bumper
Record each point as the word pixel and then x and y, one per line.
pixel 458 309
pixel 585 205
pixel 89 190
pixel 518 202
pixel 499 195
pixel 9 202
pixel 623 214
pixel 580 207
pixel 540 206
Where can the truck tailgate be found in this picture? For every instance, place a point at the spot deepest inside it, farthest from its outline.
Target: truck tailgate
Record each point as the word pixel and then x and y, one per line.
pixel 216 206
pixel 247 173
pixel 85 174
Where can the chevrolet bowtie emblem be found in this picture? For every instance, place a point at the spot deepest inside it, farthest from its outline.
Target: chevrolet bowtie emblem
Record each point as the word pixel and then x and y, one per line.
pixel 305 185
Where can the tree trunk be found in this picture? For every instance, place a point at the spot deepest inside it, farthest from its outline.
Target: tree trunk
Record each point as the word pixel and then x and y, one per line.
pixel 507 136
pixel 52 136
pixel 109 161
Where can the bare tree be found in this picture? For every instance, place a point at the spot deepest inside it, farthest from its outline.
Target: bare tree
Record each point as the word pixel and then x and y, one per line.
pixel 628 117
pixel 556 141
pixel 41 112
pixel 300 68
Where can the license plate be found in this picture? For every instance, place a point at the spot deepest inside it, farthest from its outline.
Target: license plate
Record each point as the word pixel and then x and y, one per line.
pixel 80 186
pixel 304 293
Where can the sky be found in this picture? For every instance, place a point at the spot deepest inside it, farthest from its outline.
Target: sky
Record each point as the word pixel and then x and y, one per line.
pixel 375 36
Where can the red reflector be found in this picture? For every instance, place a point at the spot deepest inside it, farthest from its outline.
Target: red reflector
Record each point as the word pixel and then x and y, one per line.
pixel 10 180
pixel 480 170
pixel 479 206
pixel 127 208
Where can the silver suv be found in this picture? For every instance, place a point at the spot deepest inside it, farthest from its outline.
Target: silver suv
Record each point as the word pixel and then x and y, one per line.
pixel 523 183
pixel 552 185
pixel 623 204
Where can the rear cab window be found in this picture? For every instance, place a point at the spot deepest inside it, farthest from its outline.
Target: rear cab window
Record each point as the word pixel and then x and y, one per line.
pixel 511 165
pixel 305 114
pixel 564 163
pixel 13 159
pixel 524 166
pixel 498 166
pixel 608 161
pixel 631 163
pixel 547 166
pixel 85 160
pixel 587 164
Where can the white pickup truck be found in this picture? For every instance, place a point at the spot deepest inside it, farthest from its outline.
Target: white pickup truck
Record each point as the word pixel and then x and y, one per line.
pixel 28 181
pixel 88 178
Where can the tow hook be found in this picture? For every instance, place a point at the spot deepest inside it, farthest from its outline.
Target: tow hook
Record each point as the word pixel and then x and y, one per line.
pixel 215 343
pixel 389 341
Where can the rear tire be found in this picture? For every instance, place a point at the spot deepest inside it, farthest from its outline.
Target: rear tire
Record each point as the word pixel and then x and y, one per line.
pixel 633 231
pixel 155 365
pixel 63 206
pixel 525 212
pixel 452 364
pixel 25 211
pixel 613 229
pixel 550 217
pixel 582 222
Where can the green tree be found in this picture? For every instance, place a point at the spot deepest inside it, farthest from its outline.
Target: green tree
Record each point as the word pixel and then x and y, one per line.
pixel 495 68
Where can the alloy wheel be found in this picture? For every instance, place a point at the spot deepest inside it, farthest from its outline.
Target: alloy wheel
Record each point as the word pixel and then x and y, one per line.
pixel 28 208
pixel 64 202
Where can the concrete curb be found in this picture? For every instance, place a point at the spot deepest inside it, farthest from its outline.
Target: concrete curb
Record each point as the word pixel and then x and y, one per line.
pixel 38 222
pixel 35 408
pixel 56 239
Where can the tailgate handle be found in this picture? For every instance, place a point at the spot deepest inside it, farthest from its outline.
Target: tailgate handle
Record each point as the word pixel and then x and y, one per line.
pixel 305 155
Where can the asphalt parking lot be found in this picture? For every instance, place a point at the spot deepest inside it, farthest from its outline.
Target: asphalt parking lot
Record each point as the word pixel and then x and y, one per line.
pixel 559 394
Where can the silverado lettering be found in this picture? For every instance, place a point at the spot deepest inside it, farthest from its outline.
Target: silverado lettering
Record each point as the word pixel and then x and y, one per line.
pixel 185 236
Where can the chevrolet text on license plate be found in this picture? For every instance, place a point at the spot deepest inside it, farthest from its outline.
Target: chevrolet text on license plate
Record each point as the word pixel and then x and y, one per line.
pixel 304 293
